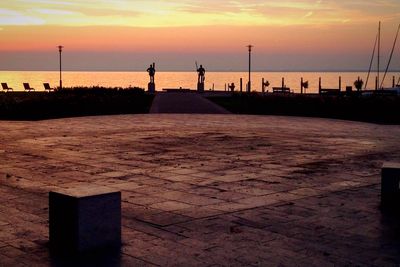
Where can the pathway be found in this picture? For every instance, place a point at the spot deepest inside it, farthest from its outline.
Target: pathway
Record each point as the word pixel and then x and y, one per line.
pixel 189 103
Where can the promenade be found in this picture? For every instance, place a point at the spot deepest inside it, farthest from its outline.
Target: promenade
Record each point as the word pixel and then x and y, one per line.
pixel 207 190
pixel 186 103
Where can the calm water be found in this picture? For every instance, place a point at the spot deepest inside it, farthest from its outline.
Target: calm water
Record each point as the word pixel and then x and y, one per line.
pixel 185 79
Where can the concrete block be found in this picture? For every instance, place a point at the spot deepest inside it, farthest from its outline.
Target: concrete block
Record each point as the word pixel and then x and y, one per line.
pixel 390 185
pixel 84 219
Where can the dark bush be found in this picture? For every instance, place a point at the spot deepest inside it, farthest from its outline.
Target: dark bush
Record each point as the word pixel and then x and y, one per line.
pixel 71 102
pixel 383 109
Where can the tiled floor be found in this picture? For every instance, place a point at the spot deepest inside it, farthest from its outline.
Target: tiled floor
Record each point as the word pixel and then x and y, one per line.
pixel 207 190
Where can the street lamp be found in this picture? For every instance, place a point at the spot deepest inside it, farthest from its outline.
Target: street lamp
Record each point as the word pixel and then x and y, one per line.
pixel 249 83
pixel 60 50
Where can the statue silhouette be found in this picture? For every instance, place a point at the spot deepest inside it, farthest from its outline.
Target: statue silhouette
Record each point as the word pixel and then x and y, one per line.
pixel 152 72
pixel 232 87
pixel 201 71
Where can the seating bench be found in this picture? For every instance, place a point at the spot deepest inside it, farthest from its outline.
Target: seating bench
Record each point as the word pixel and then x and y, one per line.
pixel 281 90
pixel 326 91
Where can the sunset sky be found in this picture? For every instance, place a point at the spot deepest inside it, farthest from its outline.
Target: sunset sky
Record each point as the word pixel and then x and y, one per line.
pixel 130 34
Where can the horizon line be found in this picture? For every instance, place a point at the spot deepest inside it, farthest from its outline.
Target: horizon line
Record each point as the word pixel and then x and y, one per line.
pixel 180 70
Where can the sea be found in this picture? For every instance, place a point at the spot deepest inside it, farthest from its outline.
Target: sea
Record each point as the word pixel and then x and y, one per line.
pixel 214 80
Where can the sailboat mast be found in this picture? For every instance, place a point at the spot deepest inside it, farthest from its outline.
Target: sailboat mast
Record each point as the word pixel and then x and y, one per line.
pixel 379 48
pixel 391 56
pixel 371 62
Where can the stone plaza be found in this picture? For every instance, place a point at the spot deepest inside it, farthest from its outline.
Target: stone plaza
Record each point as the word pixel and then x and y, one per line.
pixel 206 190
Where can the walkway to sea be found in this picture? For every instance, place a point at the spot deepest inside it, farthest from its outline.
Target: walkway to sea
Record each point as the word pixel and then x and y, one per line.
pixel 207 190
pixel 188 102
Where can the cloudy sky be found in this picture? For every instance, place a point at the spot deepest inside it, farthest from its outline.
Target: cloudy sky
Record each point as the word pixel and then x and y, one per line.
pixel 128 34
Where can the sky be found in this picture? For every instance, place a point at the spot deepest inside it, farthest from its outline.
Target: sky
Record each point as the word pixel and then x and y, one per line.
pixel 125 35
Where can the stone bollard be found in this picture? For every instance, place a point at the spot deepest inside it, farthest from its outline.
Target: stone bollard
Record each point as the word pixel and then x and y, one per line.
pixel 84 219
pixel 390 185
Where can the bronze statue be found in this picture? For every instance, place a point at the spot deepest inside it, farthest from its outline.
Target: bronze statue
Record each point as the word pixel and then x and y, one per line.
pixel 152 72
pixel 232 87
pixel 201 74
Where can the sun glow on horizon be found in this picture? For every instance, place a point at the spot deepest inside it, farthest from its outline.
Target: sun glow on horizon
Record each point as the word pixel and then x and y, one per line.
pixel 191 28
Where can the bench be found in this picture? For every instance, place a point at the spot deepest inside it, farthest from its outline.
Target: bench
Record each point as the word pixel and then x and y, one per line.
pixel 5 87
pixel 84 219
pixel 281 90
pixel 28 88
pixel 325 91
pixel 390 185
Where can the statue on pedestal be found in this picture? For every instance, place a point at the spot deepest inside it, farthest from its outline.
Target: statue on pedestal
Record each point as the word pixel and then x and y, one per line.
pixel 201 74
pixel 231 87
pixel 152 72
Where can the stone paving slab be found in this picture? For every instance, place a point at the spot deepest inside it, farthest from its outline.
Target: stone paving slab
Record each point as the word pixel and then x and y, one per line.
pixel 206 190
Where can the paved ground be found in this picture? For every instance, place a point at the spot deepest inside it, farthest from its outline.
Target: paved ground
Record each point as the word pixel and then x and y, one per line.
pixel 189 103
pixel 207 190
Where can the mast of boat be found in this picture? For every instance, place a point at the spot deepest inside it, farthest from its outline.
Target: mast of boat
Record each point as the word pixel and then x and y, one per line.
pixel 379 48
pixel 391 56
pixel 372 61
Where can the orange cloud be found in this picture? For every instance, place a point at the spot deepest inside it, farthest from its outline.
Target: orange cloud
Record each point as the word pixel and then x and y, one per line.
pixel 160 13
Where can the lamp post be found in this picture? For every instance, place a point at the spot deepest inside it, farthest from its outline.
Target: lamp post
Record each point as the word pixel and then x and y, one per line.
pixel 249 83
pixel 60 51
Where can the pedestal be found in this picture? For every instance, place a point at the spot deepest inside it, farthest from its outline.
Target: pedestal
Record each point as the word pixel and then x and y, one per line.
pixel 84 219
pixel 349 90
pixel 200 87
pixel 390 186
pixel 152 88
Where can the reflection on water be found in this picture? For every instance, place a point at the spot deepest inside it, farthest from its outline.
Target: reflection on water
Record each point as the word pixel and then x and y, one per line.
pixel 185 79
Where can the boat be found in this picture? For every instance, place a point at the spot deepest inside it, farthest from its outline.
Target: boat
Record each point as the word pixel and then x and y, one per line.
pixel 395 89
